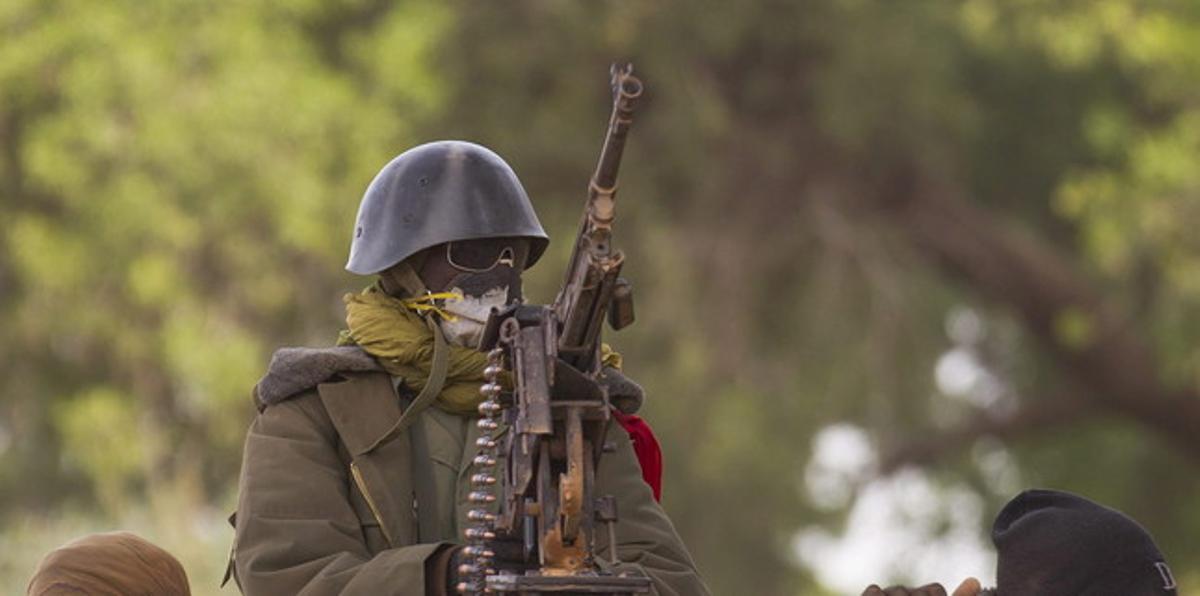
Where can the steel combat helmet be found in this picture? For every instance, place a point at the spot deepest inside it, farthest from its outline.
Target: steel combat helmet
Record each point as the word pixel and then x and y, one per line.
pixel 439 192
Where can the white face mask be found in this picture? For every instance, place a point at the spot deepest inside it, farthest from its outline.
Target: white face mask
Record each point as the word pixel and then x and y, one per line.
pixel 470 315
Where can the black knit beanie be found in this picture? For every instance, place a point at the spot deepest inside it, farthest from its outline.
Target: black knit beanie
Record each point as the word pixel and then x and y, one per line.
pixel 1052 543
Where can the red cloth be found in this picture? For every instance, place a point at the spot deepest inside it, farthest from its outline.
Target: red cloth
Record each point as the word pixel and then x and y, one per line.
pixel 645 446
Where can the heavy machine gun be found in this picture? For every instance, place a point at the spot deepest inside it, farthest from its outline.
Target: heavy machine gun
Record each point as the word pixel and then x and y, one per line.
pixel 534 483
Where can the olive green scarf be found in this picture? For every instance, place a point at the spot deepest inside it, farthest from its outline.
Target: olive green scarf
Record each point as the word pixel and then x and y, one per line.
pixel 395 333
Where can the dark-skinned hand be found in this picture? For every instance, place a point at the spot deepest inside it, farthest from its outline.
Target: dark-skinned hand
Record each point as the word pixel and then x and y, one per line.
pixel 969 587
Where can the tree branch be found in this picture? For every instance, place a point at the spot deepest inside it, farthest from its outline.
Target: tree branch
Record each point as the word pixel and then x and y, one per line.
pixel 1113 366
pixel 1041 415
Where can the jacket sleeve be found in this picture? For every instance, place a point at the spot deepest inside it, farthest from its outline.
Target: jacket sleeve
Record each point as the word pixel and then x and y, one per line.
pixel 645 536
pixel 297 532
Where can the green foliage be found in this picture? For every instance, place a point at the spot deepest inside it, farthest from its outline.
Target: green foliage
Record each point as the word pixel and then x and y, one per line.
pixel 96 428
pixel 178 179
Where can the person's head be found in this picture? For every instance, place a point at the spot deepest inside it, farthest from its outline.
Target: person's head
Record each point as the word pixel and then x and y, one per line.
pixel 448 216
pixel 111 564
pixel 1053 543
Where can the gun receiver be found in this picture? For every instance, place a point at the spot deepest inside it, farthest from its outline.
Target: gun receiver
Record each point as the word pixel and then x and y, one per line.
pixel 558 414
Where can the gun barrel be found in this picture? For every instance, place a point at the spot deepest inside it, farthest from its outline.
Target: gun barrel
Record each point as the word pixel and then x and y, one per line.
pixel 627 89
pixel 584 300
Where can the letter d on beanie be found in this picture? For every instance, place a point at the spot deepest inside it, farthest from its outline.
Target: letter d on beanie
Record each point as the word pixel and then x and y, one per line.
pixel 1052 543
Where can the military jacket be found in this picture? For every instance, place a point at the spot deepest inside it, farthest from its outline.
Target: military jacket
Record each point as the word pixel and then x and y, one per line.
pixel 319 513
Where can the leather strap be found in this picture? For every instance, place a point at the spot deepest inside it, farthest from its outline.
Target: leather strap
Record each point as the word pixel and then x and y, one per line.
pixel 429 393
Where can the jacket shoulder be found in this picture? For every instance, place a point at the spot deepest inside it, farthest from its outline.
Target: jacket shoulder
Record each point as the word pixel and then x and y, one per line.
pixel 293 371
pixel 351 408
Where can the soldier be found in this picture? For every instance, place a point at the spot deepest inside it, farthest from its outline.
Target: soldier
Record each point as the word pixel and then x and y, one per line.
pixel 1054 543
pixel 969 587
pixel 348 485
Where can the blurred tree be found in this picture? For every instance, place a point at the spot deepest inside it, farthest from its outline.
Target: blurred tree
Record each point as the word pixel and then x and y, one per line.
pixel 178 180
pixel 814 195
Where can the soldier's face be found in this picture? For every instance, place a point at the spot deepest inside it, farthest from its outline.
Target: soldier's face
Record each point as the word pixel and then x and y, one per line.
pixel 485 273
pixel 475 266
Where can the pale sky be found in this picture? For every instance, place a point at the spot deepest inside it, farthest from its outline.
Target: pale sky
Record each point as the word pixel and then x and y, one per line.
pixel 891 533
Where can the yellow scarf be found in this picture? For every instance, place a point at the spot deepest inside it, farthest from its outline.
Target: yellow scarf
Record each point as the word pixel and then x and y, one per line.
pixel 392 330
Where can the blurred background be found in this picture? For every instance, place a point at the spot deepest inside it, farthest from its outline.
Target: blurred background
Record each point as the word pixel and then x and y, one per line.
pixel 894 261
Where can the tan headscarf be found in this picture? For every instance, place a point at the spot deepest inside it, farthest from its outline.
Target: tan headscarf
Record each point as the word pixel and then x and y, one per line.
pixel 111 564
